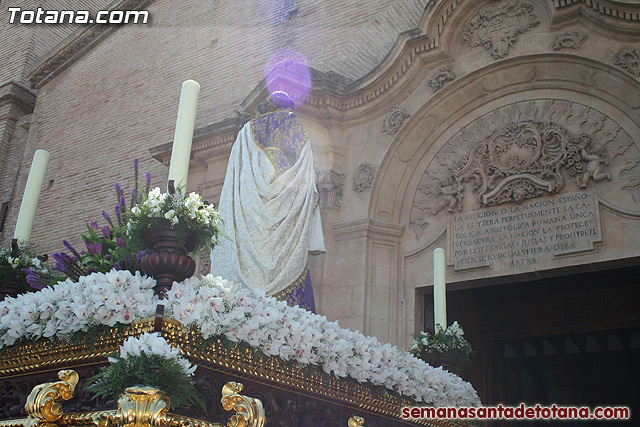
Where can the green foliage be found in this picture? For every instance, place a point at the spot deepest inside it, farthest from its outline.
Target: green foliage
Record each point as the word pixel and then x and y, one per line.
pixel 24 268
pixel 444 341
pixel 181 213
pixel 149 370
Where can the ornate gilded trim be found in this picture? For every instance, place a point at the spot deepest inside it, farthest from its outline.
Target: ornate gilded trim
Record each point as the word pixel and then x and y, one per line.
pixel 248 411
pixel 242 362
pixel 43 404
pixel 136 407
pixel 356 421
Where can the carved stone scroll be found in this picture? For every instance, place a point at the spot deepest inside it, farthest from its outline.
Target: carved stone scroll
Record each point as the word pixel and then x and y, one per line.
pixel 628 59
pixel 497 26
pixel 571 40
pixel 394 120
pixel 440 78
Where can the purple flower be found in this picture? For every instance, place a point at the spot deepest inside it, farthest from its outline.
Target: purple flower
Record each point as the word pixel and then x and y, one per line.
pixel 71 248
pixel 123 203
pixel 94 225
pixel 140 255
pixel 94 248
pixel 135 162
pixel 34 279
pixel 106 231
pixel 107 218
pixel 67 265
pixel 118 189
pixel 118 211
pixel 120 241
pixel 148 179
pixel 108 257
pixel 117 266
pixel 133 197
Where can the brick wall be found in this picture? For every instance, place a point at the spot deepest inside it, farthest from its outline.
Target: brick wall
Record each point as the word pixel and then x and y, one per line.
pixel 121 98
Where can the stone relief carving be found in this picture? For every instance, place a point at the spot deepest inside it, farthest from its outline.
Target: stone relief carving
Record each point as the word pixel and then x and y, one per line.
pixel 571 40
pixel 595 158
pixel 330 77
pixel 363 177
pixel 522 161
pixel 628 59
pixel 497 26
pixel 442 76
pixel 523 151
pixel 394 120
pixel 330 185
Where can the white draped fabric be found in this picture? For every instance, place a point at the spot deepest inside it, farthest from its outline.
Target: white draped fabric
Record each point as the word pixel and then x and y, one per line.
pixel 268 217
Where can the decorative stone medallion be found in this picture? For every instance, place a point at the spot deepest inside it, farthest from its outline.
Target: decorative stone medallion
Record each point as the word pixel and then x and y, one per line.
pixel 497 26
pixel 628 59
pixel 394 120
pixel 363 177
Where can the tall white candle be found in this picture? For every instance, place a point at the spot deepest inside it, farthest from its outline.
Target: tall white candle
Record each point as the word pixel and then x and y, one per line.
pixel 31 195
pixel 439 289
pixel 179 168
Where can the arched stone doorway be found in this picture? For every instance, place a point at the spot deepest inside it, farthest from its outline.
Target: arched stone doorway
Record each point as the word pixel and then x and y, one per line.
pixel 525 169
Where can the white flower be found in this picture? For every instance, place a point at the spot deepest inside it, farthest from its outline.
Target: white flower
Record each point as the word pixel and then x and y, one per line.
pixel 215 307
pixel 154 344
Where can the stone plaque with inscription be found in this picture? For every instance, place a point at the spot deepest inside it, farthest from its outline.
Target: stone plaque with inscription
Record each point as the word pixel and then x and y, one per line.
pixel 523 187
pixel 525 234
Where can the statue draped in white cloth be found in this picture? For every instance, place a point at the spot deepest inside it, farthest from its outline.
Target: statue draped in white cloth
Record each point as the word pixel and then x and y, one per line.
pixel 269 205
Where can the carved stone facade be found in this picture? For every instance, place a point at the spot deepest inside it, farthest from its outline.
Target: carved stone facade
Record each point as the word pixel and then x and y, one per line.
pixel 497 26
pixel 393 121
pixel 571 40
pixel 440 78
pixel 543 116
pixel 363 177
pixel 628 59
pixel 330 185
pixel 554 146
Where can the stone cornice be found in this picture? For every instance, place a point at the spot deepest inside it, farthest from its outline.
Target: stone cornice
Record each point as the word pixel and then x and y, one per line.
pixel 15 93
pixel 206 138
pixel 76 45
pixel 368 228
pixel 626 15
pixel 613 9
pixel 334 98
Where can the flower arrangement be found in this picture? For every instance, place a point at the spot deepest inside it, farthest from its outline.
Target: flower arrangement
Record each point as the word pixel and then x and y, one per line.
pixel 450 341
pixel 107 247
pixel 182 214
pixel 112 299
pixel 26 270
pixel 218 308
pixel 148 361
